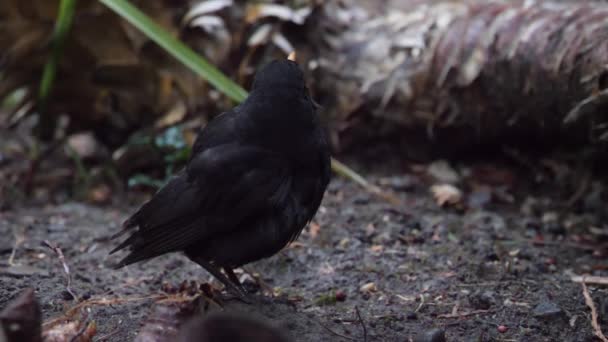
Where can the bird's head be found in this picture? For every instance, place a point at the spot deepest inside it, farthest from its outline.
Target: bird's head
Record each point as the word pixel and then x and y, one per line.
pixel 283 73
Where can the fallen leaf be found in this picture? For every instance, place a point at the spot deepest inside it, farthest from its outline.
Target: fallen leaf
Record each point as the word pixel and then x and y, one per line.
pixel 443 172
pixel 370 229
pixel 368 288
pixel 376 248
pixel 100 194
pixel 446 194
pixel 313 229
pixel 70 331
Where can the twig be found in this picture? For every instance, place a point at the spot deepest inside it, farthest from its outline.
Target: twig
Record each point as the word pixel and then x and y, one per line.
pixel 263 285
pixel 66 268
pixel 19 239
pixel 464 314
pixel 36 161
pixel 108 335
pixel 334 332
pixel 589 301
pixel 98 301
pixel 85 327
pixel 362 324
pixel 421 303
pixel 553 244
pixel 346 172
pixel 581 189
pixel 594 280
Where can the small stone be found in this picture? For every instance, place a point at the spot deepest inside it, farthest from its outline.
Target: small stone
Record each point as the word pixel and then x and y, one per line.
pixel 340 296
pixel 84 145
pixel 361 200
pixel 550 217
pixel 433 335
pixel 547 310
pixel 411 315
pixel 482 300
pixel 443 172
pixel 66 295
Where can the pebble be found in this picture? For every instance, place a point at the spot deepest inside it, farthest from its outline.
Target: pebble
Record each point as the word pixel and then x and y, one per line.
pixel 361 200
pixel 66 295
pixel 547 310
pixel 411 315
pixel 482 300
pixel 433 335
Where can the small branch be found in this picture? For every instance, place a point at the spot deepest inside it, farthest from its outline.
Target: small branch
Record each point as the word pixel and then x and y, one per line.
pixel 348 173
pixel 108 335
pixel 589 301
pixel 83 329
pixel 362 324
pixel 66 268
pixel 104 302
pixel 581 190
pixel 593 280
pixel 421 303
pixel 464 314
pixel 334 332
pixel 19 239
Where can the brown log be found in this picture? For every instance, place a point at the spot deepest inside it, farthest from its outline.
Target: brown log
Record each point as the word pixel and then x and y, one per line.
pixel 460 75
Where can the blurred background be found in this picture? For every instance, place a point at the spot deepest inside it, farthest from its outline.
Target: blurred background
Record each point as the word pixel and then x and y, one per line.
pixel 469 141
pixel 92 105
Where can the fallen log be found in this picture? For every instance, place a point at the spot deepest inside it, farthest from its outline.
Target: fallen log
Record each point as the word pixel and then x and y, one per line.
pixel 455 76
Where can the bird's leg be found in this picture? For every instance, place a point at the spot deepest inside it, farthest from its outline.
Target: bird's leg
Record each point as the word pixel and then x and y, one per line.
pixel 217 273
pixel 234 278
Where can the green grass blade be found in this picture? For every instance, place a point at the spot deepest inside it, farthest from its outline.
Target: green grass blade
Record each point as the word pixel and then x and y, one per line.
pixel 201 67
pixel 176 48
pixel 60 32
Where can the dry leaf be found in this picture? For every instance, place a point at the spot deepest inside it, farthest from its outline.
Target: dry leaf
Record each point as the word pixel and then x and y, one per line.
pixel 376 248
pixel 313 229
pixel 284 13
pixel 368 288
pixel 205 7
pixel 70 331
pixel 446 194
pixel 443 172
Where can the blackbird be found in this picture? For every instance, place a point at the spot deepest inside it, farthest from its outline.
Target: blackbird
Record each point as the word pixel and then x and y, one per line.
pixel 254 180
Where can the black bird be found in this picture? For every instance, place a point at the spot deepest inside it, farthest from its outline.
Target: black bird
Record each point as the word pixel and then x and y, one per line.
pixel 255 179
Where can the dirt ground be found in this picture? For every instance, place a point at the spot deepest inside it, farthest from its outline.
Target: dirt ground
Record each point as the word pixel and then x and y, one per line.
pixel 495 266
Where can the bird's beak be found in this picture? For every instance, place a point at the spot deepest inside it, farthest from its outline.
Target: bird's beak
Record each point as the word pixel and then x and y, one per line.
pixel 292 56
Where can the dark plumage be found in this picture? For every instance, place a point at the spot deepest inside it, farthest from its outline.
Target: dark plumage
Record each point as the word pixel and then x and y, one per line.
pixel 255 178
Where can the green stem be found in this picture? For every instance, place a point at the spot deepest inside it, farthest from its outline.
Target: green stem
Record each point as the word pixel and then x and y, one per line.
pixel 46 126
pixel 203 68
pixel 176 48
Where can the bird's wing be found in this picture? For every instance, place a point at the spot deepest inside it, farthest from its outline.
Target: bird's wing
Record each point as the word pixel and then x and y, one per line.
pixel 221 187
